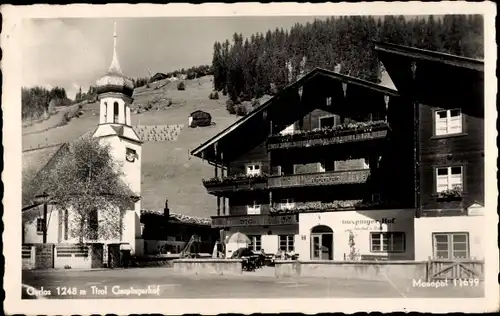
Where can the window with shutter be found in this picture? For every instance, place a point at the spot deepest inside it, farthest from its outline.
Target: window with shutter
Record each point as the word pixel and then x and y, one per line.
pixel 448 122
pixel 448 178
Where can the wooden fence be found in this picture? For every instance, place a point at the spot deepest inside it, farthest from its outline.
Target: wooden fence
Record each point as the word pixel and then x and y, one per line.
pixel 442 269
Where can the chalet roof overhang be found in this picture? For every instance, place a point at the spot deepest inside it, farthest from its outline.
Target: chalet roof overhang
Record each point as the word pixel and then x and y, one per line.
pixel 256 120
pixel 433 78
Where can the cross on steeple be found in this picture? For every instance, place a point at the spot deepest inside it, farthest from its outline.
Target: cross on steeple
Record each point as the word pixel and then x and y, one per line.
pixel 115 65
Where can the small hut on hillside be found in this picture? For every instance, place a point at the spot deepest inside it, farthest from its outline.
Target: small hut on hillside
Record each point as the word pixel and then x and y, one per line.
pixel 199 119
pixel 158 76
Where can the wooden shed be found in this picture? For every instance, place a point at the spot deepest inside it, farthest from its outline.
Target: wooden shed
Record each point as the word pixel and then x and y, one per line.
pixel 199 119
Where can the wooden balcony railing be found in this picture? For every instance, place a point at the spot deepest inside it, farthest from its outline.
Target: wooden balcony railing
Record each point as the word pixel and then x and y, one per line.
pixel 236 183
pixel 319 179
pixel 329 136
pixel 254 220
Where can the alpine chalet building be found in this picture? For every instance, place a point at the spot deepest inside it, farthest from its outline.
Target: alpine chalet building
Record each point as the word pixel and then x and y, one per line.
pixel 337 168
pixel 323 170
pixel 447 95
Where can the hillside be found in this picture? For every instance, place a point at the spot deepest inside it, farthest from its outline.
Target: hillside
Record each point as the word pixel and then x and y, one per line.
pixel 167 169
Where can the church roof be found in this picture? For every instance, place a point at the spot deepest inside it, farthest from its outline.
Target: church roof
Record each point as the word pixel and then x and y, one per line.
pixel 115 80
pixel 38 161
pixel 258 113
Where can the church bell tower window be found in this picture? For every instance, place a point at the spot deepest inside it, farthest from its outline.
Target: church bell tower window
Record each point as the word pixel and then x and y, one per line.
pixel 115 112
pixel 105 111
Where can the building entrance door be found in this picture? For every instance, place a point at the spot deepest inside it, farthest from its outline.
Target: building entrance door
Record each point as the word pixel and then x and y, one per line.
pixel 321 243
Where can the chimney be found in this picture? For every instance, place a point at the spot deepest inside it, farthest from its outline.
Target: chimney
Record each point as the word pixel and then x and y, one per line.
pixel 166 210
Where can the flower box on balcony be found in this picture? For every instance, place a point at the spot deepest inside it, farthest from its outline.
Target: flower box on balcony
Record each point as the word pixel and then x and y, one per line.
pixel 241 182
pixel 311 207
pixel 326 136
pixel 239 178
pixel 320 179
pixel 450 195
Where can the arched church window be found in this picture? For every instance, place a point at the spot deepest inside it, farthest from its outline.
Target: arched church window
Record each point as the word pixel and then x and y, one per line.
pixel 115 112
pixel 105 111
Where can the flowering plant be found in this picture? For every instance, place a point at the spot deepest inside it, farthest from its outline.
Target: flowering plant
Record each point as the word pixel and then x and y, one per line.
pixel 451 193
pixel 338 130
pixel 328 206
pixel 353 254
pixel 235 177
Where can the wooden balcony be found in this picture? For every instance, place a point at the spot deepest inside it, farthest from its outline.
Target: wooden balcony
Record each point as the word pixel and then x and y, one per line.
pixel 254 220
pixel 330 136
pixel 235 184
pixel 319 179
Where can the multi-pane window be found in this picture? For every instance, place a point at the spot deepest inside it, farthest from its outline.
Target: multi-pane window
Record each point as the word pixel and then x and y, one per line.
pixel 287 204
pixel 448 122
pixel 253 209
pixel 448 178
pixel 451 245
pixel 39 225
pixel 387 242
pixel 286 243
pixel 253 169
pixel 255 243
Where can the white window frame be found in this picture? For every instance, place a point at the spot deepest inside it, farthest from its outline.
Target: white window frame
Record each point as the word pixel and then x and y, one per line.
pixel 289 243
pixel 451 179
pixel 387 242
pixel 324 117
pixel 39 225
pixel 253 209
pixel 290 129
pixel 255 242
pixel 287 204
pixel 448 125
pixel 322 166
pixel 450 242
pixel 252 170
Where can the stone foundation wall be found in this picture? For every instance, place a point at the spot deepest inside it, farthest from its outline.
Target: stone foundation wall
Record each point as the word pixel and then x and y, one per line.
pixel 208 266
pixel 365 270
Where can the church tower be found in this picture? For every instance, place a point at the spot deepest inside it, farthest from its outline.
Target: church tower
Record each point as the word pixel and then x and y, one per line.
pixel 114 92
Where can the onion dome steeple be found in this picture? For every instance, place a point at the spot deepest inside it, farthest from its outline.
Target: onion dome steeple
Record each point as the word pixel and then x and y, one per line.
pixel 114 80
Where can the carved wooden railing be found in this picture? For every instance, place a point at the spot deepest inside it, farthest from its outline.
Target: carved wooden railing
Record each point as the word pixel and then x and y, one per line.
pixel 239 182
pixel 319 179
pixel 254 220
pixel 330 136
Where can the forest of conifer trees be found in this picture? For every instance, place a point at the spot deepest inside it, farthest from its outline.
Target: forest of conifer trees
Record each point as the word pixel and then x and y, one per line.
pixel 265 63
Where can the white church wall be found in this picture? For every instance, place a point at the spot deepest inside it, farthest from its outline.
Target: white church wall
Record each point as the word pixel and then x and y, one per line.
pixel 32 236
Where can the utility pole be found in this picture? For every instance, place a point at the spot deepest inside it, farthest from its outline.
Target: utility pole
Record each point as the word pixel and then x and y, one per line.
pixel 43 199
pixel 44 222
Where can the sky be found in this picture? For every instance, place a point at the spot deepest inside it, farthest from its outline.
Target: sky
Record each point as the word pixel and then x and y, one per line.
pixel 73 53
